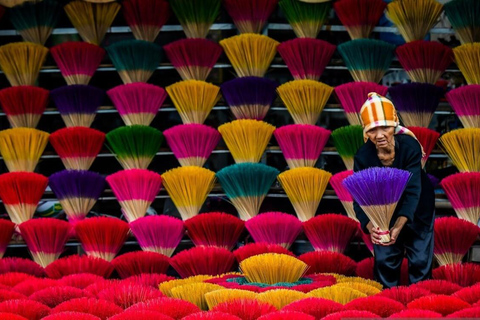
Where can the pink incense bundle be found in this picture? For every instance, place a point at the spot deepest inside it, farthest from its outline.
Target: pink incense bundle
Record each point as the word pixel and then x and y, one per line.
pixel 20 193
pixel 382 306
pixel 76 264
pixel 203 261
pixel 160 234
pixel 353 95
pixel 465 101
pixel 77 60
pixel 100 308
pixel 54 296
pixel 193 58
pixel 424 61
pixel 80 280
pixel 215 229
pixel 138 102
pixel 440 303
pixel 148 279
pixel 453 239
pixel 77 146
pixel 27 266
pixel 172 307
pixel 23 105
pixel 146 17
pixel 102 237
pixel 253 249
pixel 330 232
pixel 192 143
pixel 428 139
pixel 45 238
pixel 461 190
pixel 359 16
pixel 28 309
pixel 135 190
pixel 403 294
pixel 250 16
pixel 438 286
pixel 301 144
pixel 6 232
pixel 138 262
pixel 274 228
pixel 342 193
pixel 306 58
pixel 127 294
pixel 328 262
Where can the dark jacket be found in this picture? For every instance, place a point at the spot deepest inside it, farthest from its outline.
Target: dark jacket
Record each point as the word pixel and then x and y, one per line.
pixel 417 203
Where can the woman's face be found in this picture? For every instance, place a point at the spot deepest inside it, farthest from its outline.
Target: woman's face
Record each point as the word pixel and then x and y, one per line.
pixel 381 136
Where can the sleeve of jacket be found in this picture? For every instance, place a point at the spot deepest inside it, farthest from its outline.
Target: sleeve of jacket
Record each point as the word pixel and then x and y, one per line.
pixel 361 216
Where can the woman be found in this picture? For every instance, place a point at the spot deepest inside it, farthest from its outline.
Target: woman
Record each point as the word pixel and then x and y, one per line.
pixel 411 228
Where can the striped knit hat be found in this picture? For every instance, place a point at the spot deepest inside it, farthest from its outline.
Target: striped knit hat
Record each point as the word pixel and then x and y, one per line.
pixel 378 111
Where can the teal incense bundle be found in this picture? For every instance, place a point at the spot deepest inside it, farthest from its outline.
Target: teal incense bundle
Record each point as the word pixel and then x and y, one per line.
pixel 196 17
pixel 305 18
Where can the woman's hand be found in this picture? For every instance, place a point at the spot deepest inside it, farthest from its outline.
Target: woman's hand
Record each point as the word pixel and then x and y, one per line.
pixel 375 234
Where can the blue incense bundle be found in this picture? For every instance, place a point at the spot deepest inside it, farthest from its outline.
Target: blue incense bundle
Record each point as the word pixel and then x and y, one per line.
pixel 77 191
pixel 377 191
pixel 78 104
pixel 249 97
pixel 416 102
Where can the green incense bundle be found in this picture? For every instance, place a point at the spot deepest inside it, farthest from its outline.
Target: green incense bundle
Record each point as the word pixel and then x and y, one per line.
pixel 464 15
pixel 347 140
pixel 305 18
pixel 196 17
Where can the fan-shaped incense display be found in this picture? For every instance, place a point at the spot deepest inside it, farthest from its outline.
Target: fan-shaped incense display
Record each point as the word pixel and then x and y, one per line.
pixel 347 141
pixel 246 185
pixel 21 148
pixel 336 181
pixel 194 99
pixel 92 20
pixel 202 261
pixel 353 95
pixel 137 103
pixel 188 187
pixel 367 59
pixel 135 60
pixel 305 18
pixel 462 145
pixel 6 232
pixel 305 99
pixel 377 191
pixel 467 58
pixel 274 228
pixel 414 18
pixel 77 191
pixel 77 60
pixel 462 16
pixel 306 58
pixel 461 191
pixel 279 298
pixel 427 138
pixel 249 97
pixel 359 17
pixel 146 17
pixel 21 62
pixel 246 139
pixel 304 187
pixel 250 54
pixel 217 297
pixel 23 105
pixel 301 144
pixel 196 17
pixel 193 58
pixel 250 16
pixel 465 101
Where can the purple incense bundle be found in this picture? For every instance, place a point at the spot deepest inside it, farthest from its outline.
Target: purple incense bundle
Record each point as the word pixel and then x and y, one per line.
pixel 416 102
pixel 377 191
pixel 77 191
pixel 78 104
pixel 249 97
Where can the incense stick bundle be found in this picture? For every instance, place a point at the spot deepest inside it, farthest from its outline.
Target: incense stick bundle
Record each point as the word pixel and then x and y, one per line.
pixel 250 54
pixel 21 62
pixel 193 58
pixel 416 102
pixel 465 101
pixel 249 97
pixel 347 140
pixel 250 16
pixel 352 97
pixel 203 261
pixel 336 181
pixel 462 16
pixel 246 185
pixel 304 188
pixel 6 231
pixel 246 139
pixel 188 187
pixel 193 99
pixel 35 20
pixel 424 61
pixel 23 105
pixel 21 148
pixel 377 191
pixel 12 3
pixel 77 191
pixel 467 58
pixel 196 17
pixel 414 18
pixel 305 18
pixel 77 60
pixel 92 20
pixel 462 145
pixel 146 17
pixel 306 58
pixel 359 17
pixel 135 60
pixel 461 189
pixel 427 138
pixel 367 59
pixel 305 99
pixel 301 144
pixel 78 104
pixel 274 228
